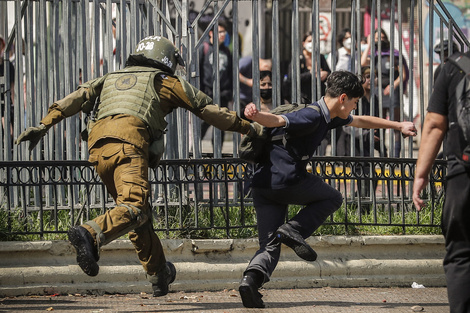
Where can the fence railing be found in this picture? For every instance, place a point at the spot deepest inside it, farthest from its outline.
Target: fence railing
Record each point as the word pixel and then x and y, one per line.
pixel 194 197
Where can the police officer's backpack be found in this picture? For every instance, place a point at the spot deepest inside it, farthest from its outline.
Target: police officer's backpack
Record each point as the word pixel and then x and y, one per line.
pixel 460 122
pixel 251 149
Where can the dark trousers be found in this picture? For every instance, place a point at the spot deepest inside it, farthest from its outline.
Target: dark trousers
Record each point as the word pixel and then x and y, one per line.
pixel 456 230
pixel 320 201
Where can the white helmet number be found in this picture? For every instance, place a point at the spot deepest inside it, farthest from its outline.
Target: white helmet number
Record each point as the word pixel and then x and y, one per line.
pixel 147 45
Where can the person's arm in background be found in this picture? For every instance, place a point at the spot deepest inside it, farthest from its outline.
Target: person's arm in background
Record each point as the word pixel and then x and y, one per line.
pixel 325 69
pixel 245 80
pixel 396 83
pixel 434 129
pixel 244 64
pixel 365 58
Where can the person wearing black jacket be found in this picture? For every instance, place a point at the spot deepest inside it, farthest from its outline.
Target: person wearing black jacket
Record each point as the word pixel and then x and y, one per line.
pixel 306 69
pixel 282 178
pixel 440 126
pixel 206 64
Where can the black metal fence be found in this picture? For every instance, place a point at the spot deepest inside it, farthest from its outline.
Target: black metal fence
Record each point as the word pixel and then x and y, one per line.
pixel 207 197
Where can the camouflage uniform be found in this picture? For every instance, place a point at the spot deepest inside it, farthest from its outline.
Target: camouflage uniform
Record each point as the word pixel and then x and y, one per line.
pixel 124 139
pixel 119 150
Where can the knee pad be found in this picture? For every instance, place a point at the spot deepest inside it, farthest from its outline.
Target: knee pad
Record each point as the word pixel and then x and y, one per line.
pixel 138 218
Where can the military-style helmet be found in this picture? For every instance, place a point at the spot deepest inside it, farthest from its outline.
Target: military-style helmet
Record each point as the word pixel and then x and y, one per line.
pixel 156 51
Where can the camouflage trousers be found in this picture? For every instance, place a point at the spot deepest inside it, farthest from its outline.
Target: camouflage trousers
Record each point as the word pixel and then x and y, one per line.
pixel 123 168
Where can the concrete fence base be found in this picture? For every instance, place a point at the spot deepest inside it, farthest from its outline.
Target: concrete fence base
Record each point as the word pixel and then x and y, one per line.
pixel 48 267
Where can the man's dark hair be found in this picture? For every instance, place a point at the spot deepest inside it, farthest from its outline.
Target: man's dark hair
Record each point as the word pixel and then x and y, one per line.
pixel 263 74
pixel 341 36
pixel 340 82
pixel 223 23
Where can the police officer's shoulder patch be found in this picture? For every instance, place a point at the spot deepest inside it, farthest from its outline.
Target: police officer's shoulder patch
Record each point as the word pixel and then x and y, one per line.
pixel 126 82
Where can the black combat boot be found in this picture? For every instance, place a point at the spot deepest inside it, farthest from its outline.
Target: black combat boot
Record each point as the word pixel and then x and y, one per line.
pixel 87 252
pixel 163 279
pixel 293 239
pixel 251 297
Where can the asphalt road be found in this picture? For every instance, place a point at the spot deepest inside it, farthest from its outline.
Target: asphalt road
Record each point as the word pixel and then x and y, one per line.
pixel 318 300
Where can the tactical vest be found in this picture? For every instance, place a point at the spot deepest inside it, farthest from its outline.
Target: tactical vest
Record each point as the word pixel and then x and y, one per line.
pixel 131 91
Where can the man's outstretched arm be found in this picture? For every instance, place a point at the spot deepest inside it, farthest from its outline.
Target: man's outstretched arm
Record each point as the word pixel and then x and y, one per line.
pixel 372 122
pixel 68 106
pixel 264 118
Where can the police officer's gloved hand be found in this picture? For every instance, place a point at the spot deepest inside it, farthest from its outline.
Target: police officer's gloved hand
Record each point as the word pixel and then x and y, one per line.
pixel 33 135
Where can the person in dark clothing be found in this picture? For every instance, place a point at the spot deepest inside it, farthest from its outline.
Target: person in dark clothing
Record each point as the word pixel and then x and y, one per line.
pixel 360 135
pixel 245 69
pixel 282 177
pixel 206 63
pixel 390 104
pixel 306 69
pixel 439 126
pixel 445 49
pixel 362 141
pixel 11 85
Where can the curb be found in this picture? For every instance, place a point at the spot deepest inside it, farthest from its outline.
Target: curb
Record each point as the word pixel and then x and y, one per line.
pixel 48 267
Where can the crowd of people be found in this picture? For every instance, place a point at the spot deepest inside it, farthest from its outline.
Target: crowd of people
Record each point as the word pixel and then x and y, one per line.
pixel 389 93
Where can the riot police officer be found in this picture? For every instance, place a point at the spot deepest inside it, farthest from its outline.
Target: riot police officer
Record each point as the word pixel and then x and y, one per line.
pixel 126 138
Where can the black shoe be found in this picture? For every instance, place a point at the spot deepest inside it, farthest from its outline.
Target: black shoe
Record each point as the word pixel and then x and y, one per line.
pixel 249 293
pixel 164 279
pixel 292 238
pixel 87 253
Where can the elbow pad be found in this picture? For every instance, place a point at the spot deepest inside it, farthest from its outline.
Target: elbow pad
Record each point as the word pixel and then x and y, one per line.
pixel 197 98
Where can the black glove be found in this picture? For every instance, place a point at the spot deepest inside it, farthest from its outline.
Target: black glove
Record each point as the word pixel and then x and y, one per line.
pixel 33 135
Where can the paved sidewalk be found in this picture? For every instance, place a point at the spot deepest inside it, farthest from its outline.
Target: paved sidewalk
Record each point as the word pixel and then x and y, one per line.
pixel 348 300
